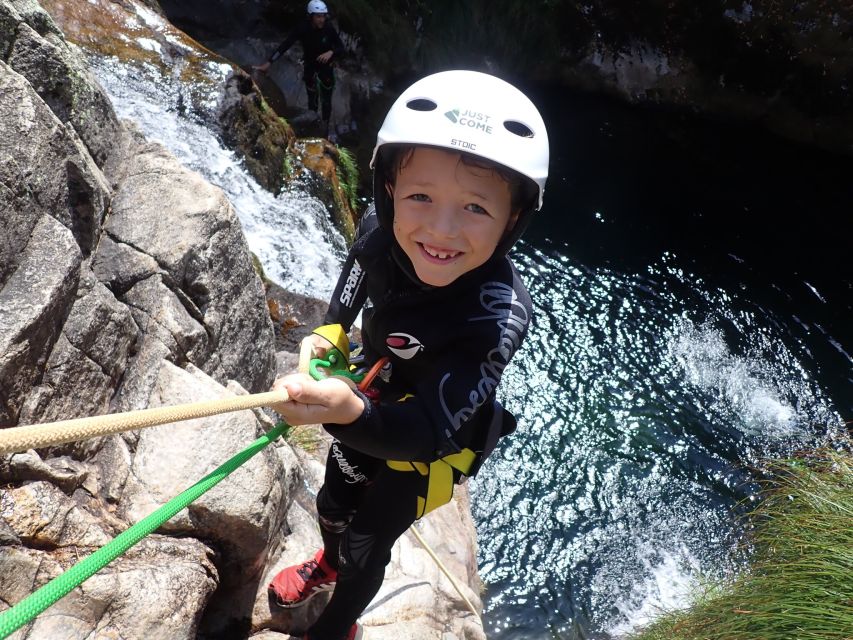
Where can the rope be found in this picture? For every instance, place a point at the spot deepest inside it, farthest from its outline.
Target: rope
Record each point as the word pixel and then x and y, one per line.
pixel 446 572
pixel 15 439
pixel 31 606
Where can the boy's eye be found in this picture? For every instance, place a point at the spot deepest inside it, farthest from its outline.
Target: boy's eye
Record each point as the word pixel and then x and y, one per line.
pixel 475 208
pixel 419 197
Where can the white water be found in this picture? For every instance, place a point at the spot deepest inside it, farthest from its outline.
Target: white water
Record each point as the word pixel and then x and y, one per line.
pixel 291 234
pixel 670 578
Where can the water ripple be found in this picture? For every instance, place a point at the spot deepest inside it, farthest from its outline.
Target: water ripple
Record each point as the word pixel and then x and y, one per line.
pixel 642 398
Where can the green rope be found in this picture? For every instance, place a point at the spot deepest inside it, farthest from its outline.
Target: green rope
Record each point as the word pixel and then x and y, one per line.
pixel 36 602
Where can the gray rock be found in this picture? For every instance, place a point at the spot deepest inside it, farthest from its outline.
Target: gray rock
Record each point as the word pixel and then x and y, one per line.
pixel 9 21
pixel 34 300
pixel 88 360
pixel 241 515
pixel 50 175
pixel 158 589
pixel 59 75
pixel 64 472
pixel 190 229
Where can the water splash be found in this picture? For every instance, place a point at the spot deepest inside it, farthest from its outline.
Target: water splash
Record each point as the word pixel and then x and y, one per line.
pixel 670 581
pixel 742 387
pixel 291 234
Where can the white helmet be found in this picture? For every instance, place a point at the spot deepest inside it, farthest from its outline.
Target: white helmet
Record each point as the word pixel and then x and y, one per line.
pixel 316 6
pixel 469 112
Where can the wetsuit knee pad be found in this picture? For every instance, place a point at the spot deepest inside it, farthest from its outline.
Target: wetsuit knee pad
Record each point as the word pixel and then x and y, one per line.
pixel 333 517
pixel 362 553
pixel 334 526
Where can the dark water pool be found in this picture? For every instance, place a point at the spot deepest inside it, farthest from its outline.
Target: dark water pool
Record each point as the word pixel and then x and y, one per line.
pixel 694 294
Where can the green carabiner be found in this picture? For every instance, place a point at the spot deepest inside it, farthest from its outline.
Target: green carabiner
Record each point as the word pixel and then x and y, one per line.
pixel 335 364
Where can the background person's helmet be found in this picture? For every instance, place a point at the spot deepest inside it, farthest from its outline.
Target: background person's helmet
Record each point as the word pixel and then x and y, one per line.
pixel 471 112
pixel 316 6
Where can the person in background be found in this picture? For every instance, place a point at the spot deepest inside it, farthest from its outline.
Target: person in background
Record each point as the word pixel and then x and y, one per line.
pixel 321 47
pixel 460 166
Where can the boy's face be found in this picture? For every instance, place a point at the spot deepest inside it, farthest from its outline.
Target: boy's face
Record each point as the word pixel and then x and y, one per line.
pixel 448 216
pixel 318 20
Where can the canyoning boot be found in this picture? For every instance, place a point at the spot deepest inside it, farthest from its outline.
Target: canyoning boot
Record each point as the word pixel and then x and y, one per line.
pixel 355 632
pixel 296 585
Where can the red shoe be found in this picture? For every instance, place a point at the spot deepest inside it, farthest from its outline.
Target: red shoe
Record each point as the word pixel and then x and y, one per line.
pixel 355 632
pixel 296 585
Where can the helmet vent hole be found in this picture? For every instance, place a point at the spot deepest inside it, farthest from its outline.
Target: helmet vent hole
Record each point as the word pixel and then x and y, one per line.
pixel 518 128
pixel 421 104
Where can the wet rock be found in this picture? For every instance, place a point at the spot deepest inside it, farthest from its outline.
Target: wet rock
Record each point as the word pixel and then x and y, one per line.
pixel 253 129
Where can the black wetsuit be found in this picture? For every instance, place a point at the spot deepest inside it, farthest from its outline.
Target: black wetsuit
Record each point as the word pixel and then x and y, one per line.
pixel 319 77
pixel 447 347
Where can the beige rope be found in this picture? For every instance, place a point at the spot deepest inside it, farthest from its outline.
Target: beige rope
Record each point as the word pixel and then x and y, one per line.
pixel 35 436
pixel 446 572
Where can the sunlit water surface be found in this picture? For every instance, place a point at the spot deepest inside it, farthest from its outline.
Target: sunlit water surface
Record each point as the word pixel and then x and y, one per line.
pixel 639 424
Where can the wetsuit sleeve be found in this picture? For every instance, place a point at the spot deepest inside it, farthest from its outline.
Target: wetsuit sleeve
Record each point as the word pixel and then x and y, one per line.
pixel 351 289
pixel 291 39
pixel 337 44
pixel 444 408
pixel 350 294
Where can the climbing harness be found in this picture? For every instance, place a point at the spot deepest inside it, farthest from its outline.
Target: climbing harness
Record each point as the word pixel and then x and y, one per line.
pixel 441 472
pixel 440 477
pixel 441 480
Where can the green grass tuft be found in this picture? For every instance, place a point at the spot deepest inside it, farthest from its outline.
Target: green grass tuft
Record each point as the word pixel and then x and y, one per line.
pixel 305 437
pixel 348 176
pixel 800 582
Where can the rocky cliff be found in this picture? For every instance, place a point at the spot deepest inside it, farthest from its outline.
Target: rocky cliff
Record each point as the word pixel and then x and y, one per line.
pixel 126 283
pixel 786 65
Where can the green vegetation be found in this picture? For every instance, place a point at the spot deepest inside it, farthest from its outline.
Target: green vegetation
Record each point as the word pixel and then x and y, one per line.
pixel 800 583
pixel 287 167
pixel 306 437
pixel 259 268
pixel 347 170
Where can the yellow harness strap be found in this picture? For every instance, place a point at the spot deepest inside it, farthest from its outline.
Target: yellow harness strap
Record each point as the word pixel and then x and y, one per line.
pixel 440 472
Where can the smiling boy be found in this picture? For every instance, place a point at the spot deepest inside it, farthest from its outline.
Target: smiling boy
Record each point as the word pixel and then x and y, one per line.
pixel 444 305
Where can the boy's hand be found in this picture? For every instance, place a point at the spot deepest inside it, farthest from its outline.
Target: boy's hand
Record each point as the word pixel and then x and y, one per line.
pixel 317 401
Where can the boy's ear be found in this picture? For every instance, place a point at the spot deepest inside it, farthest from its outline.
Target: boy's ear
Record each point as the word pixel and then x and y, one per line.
pixel 513 218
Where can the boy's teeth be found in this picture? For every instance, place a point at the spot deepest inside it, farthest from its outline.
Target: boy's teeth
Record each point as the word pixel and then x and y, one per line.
pixel 441 255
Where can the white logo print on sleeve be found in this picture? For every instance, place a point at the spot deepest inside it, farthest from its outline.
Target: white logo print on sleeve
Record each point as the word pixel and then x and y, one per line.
pixel 353 283
pixel 502 305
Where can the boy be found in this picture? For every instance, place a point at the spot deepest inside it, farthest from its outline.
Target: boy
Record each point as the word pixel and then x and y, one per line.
pixel 459 168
